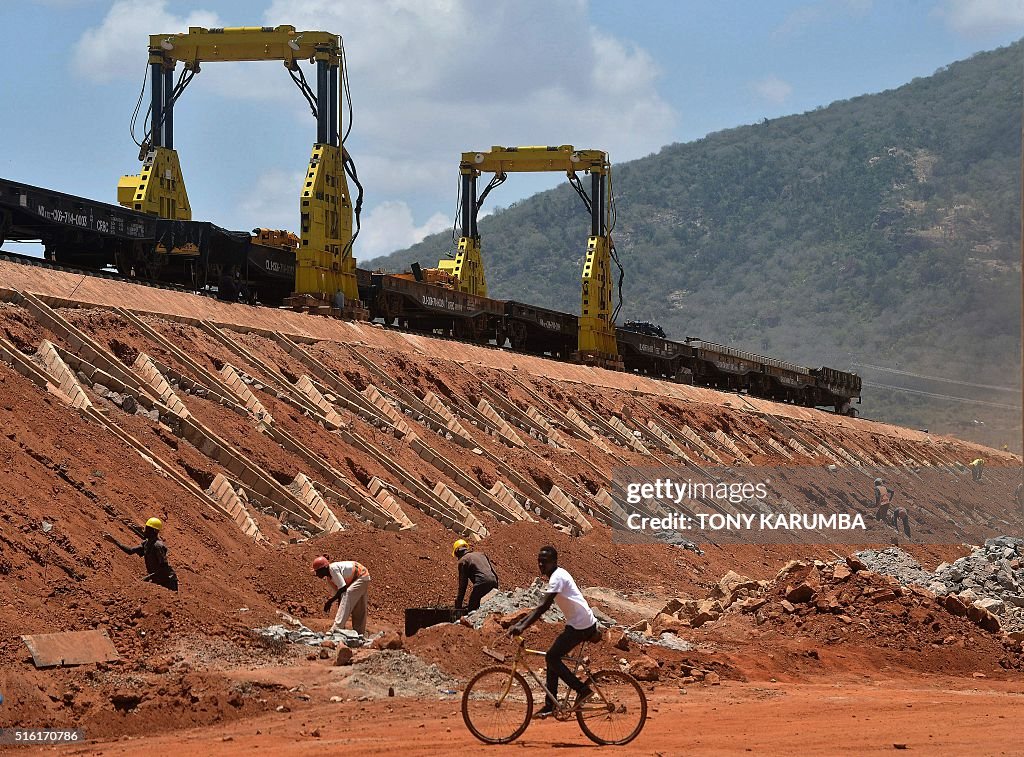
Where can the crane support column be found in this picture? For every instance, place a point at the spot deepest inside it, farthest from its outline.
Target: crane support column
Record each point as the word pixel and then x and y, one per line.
pixel 156 128
pixel 597 344
pixel 333 110
pixel 468 266
pixel 168 138
pixel 159 188
pixel 324 262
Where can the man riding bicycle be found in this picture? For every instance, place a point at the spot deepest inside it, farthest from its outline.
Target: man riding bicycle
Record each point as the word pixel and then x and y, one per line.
pixel 580 626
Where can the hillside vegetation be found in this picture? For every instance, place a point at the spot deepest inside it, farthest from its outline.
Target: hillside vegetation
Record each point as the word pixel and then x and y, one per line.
pixel 878 231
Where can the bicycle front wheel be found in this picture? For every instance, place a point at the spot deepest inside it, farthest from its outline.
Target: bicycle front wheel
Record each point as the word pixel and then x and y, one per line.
pixel 617 710
pixel 497 705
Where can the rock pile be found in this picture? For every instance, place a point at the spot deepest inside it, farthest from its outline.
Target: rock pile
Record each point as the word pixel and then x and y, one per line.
pixel 836 601
pixel 398 673
pixel 869 603
pixel 896 563
pixel 512 602
pixel 732 591
pixel 991 578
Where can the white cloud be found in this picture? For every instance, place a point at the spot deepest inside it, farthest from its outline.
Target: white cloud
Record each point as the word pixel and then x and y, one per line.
pixel 117 47
pixel 434 78
pixel 389 226
pixel 771 89
pixel 978 18
pixel 273 201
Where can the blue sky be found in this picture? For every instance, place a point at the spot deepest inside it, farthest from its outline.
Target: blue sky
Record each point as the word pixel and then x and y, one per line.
pixel 432 78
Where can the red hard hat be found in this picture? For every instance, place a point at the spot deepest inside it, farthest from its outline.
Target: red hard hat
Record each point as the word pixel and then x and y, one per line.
pixel 320 562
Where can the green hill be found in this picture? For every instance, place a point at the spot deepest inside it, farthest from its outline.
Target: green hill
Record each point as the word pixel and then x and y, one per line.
pixel 878 231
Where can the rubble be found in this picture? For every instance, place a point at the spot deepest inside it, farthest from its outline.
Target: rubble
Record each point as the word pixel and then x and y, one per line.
pixel 986 585
pixel 302 635
pixel 509 602
pixel 397 673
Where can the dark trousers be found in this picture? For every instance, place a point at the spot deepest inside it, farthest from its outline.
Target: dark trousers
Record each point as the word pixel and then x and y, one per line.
pixel 569 639
pixel 901 514
pixel 168 582
pixel 479 592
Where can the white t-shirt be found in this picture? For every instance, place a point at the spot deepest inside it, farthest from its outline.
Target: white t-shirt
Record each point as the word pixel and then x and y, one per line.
pixel 570 601
pixel 344 572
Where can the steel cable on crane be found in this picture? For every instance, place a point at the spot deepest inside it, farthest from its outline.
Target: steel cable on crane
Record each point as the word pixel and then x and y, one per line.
pixel 458 215
pixel 576 184
pixel 304 88
pixel 346 89
pixel 347 161
pixel 350 169
pixel 496 181
pixel 138 106
pixel 612 251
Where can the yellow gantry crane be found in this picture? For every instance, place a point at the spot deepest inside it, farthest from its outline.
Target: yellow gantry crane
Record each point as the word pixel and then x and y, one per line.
pixel 597 345
pixel 324 259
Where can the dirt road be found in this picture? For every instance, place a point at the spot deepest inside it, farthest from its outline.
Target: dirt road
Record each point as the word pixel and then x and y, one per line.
pixel 933 716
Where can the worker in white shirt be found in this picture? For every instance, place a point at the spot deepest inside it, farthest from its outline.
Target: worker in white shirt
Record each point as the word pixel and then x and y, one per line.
pixel 352 581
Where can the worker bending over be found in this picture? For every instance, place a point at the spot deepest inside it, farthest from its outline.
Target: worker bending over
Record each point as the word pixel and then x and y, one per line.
pixel 475 568
pixel 901 514
pixel 154 551
pixel 352 582
pixel 883 498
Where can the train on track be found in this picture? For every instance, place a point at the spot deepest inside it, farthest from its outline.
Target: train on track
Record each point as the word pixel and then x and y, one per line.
pixel 195 255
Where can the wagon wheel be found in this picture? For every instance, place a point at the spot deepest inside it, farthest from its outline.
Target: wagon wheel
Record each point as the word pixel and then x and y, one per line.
pixel 390 306
pixel 5 225
pixel 517 335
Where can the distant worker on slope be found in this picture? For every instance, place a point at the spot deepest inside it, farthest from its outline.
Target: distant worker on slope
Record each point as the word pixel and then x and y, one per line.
pixel 154 551
pixel 883 498
pixel 474 567
pixel 352 582
pixel 1018 497
pixel 901 513
pixel 977 467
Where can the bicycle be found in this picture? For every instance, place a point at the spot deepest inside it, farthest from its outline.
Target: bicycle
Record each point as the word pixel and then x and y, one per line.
pixel 497 705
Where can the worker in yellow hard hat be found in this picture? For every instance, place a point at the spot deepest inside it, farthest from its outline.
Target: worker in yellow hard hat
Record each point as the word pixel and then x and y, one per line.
pixel 476 568
pixel 154 551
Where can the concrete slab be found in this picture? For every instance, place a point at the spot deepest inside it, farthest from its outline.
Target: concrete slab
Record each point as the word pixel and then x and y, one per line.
pixel 70 648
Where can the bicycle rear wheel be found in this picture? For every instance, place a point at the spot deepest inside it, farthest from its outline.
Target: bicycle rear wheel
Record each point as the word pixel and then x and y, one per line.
pixel 497 705
pixel 616 712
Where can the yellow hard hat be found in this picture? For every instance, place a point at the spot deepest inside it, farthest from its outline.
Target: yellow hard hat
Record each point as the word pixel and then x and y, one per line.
pixel 155 523
pixel 459 544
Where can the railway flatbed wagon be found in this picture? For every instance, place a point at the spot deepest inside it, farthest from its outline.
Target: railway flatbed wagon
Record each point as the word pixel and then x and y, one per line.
pixel 420 306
